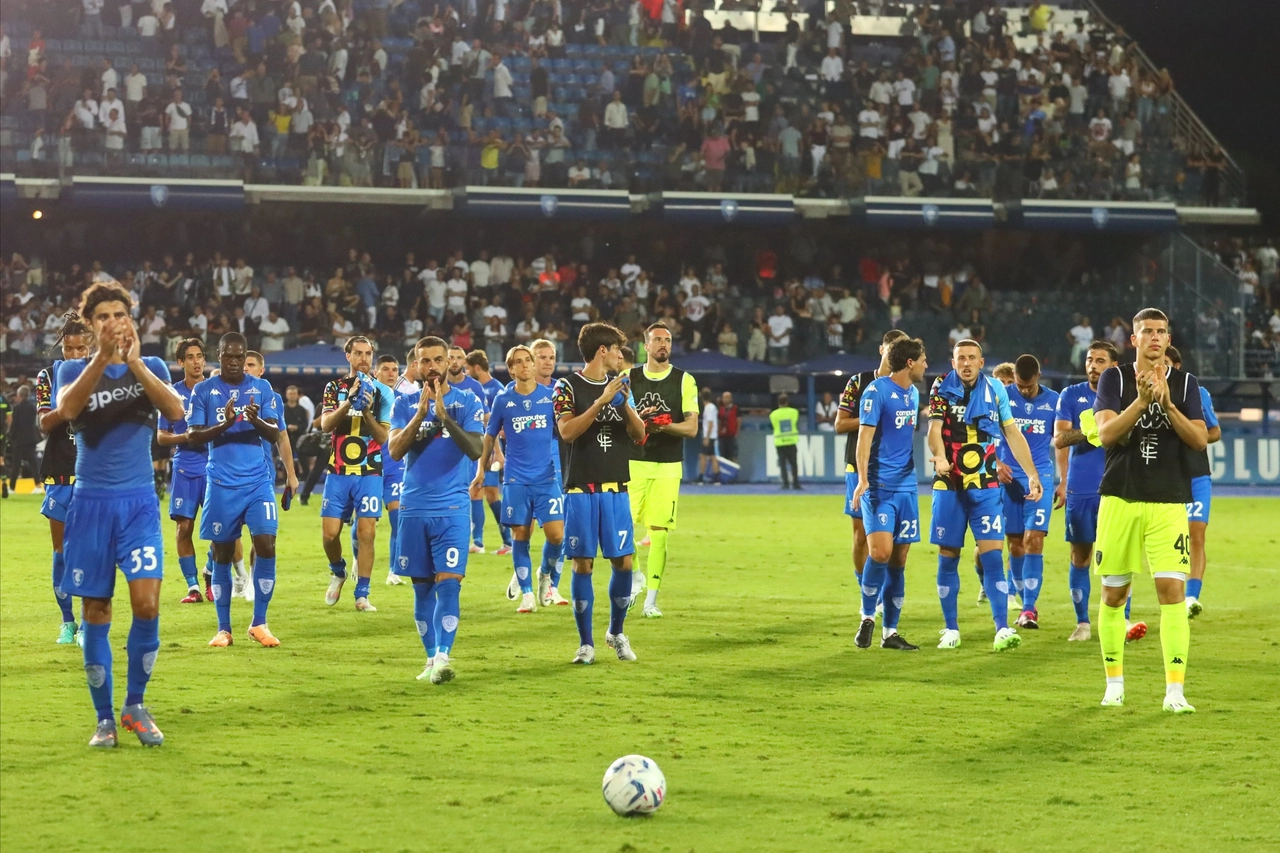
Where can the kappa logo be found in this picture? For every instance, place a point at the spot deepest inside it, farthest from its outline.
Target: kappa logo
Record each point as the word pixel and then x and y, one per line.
pixel 214 392
pixel 1177 660
pixel 1109 659
pixel 511 404
pixel 651 400
pixel 1083 400
pixel 159 195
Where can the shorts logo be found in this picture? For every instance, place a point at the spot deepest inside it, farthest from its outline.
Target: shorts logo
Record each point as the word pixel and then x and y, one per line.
pixel 265 585
pixel 96 674
pixel 404 562
pixel 217 527
pixel 573 542
pixel 941 531
pixel 1097 558
pixel 449 623
pixel 510 510
pixel 149 661
pixel 177 503
pixel 77 576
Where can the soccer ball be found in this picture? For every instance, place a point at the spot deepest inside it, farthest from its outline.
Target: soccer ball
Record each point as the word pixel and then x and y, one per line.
pixel 634 785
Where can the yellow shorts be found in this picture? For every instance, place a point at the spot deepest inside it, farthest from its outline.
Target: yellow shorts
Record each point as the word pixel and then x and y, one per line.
pixel 1129 531
pixel 654 501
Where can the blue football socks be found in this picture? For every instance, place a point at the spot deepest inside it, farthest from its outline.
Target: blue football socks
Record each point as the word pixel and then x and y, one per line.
pixel 477 522
pixel 551 561
pixel 949 590
pixel 873 582
pixel 524 565
pixel 1128 604
pixel 424 614
pixel 222 595
pixel 495 507
pixel 996 586
pixel 584 598
pixel 446 615
pixel 362 588
pixel 1032 577
pixel 1194 585
pixel 141 648
pixel 1078 580
pixel 339 569
pixel 393 518
pixel 894 594
pixel 264 577
pixel 619 599
pixel 188 567
pixel 64 600
pixel 97 668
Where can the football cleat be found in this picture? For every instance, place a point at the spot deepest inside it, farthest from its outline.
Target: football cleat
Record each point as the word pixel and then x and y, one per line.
pixel 138 719
pixel 394 579
pixel 425 675
pixel 237 586
pixel 1006 638
pixel 1194 608
pixel 651 611
pixel 66 634
pixel 620 644
pixel 897 641
pixel 528 604
pixel 262 635
pixel 1028 619
pixel 645 542
pixel 544 589
pixel 208 587
pixel 1082 633
pixel 513 588
pixel 442 670
pixel 105 737
pixel 475 549
pixel 194 596
pixel 950 639
pixel 863 638
pixel 1114 696
pixel 502 551
pixel 80 636
pixel 334 592
pixel 557 599
pixel 221 640
pixel 363 604
pixel 585 655
pixel 1136 632
pixel 248 587
pixel 982 596
pixel 1178 705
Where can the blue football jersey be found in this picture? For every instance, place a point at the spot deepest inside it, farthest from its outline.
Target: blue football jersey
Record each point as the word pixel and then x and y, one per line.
pixel 1034 418
pixel 1206 403
pixel 1087 461
pixel 893 411
pixel 116 427
pixel 469 384
pixel 189 459
pixel 491 390
pixel 240 457
pixel 437 472
pixel 528 424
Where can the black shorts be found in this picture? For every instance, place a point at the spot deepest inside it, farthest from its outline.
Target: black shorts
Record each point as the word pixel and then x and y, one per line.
pixel 729 446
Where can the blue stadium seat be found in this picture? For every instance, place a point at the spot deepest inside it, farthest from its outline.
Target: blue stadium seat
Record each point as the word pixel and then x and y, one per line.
pixel 223 163
pixel 72 46
pixel 97 48
pixel 157 162
pixel 201 165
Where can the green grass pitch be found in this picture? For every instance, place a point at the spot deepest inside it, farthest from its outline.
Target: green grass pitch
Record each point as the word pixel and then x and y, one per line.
pixel 774 732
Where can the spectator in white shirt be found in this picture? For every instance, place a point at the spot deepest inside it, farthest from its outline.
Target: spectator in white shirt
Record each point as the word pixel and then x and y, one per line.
pixel 256 307
pixel 502 80
pixel 86 111
pixel 905 88
pixel 109 102
pixel 178 119
pixel 412 328
pixel 825 412
pixel 832 69
pixel 456 288
pixel 273 329
pixel 116 132
pixel 615 121
pixel 110 77
pixel 780 326
pixel 881 91
pixel 91 23
pixel 1081 336
pixel 148 24
pixel 135 87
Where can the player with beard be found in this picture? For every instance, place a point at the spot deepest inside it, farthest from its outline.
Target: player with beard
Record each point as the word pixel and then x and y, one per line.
pixel 667 399
pixel 58 465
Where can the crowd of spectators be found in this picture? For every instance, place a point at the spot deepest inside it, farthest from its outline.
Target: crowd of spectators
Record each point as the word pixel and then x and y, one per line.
pixel 601 93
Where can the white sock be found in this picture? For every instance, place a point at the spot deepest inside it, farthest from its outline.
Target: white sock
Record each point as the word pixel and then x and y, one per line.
pixel 238 566
pixel 886 633
pixel 651 598
pixel 1173 690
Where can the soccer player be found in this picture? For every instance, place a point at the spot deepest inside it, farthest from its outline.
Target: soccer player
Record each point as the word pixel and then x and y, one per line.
pixel 408 383
pixel 847 423
pixel 187 487
pixel 357 410
pixel 1151 421
pixel 478 369
pixel 1027 521
pixel 255 364
pixel 388 373
pixel 598 422
pixel 114 519
pixel 1201 494
pixel 1082 460
pixel 544 369
pixel 968 412
pixel 437 431
pixel 58 465
pixel 239 416
pixel 460 378
pixel 886 488
pixel 708 459
pixel 667 401
pixel 524 414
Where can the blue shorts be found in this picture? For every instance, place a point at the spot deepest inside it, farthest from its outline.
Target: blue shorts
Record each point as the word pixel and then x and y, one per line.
pixel 892 512
pixel 57 500
pixel 599 520
pixel 493 479
pixel 186 494
pixel 430 545
pixel 1201 496
pixel 850 486
pixel 227 510
pixel 1020 514
pixel 392 482
pixel 108 528
pixel 955 510
pixel 1082 519
pixel 348 493
pixel 522 504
